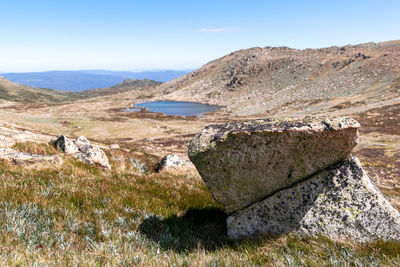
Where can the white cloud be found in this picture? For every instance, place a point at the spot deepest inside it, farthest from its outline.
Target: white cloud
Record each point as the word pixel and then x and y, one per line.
pixel 216 30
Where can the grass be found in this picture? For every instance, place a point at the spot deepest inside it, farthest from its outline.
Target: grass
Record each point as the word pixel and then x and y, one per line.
pixel 35 148
pixel 82 215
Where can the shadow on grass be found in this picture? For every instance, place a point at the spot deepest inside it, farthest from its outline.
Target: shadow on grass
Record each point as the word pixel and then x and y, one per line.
pixel 197 228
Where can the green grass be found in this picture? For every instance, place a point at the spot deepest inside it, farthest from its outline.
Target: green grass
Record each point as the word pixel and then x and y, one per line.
pixel 82 215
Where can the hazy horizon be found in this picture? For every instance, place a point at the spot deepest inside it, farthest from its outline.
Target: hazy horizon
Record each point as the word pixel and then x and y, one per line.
pixel 175 35
pixel 111 70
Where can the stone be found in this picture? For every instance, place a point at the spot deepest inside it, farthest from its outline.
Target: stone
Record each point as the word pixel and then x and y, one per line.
pixel 81 141
pixel 66 145
pixel 114 146
pixel 22 158
pixel 340 203
pixel 171 160
pixel 244 162
pixel 93 155
pixel 83 150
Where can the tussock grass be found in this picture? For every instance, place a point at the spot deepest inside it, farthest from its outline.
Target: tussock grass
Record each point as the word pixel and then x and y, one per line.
pixel 35 148
pixel 82 215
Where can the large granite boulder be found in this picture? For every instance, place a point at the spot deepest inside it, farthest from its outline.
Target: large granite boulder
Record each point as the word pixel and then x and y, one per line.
pixel 340 202
pixel 245 162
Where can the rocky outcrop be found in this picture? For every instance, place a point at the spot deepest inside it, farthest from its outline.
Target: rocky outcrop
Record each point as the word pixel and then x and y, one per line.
pixel 171 160
pixel 292 176
pixel 244 162
pixel 83 150
pixel 22 158
pixel 341 202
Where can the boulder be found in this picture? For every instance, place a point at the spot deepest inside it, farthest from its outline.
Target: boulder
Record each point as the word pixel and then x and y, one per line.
pixel 81 141
pixel 83 150
pixel 93 155
pixel 66 145
pixel 340 202
pixel 22 158
pixel 245 162
pixel 171 160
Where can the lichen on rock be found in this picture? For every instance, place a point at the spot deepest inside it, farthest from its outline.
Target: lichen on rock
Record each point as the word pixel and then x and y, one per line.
pixel 340 202
pixel 244 162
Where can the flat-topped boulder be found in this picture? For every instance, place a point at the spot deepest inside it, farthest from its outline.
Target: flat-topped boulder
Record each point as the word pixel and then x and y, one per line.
pixel 245 162
pixel 340 202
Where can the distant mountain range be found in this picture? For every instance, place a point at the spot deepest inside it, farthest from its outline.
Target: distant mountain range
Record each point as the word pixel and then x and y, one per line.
pixel 77 81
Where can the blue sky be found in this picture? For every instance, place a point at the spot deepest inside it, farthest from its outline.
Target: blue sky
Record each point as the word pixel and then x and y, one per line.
pixel 142 35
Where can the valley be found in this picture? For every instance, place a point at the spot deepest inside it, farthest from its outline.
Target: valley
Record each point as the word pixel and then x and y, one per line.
pixel 361 81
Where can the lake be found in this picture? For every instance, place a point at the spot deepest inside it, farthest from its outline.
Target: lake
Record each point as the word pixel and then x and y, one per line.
pixel 176 107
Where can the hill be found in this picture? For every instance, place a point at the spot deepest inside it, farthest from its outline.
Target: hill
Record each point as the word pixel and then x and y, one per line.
pixel 159 76
pixel 126 85
pixel 275 79
pixel 12 91
pixel 21 93
pixel 78 81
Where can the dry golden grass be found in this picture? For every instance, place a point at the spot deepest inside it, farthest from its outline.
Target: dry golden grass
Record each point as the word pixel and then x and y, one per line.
pixel 82 215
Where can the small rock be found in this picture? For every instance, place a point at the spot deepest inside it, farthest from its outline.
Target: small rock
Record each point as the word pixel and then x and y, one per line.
pixel 83 150
pixel 171 160
pixel 340 202
pixel 93 155
pixel 114 146
pixel 66 145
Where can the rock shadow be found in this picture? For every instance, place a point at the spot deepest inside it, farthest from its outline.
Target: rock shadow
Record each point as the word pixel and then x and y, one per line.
pixel 197 228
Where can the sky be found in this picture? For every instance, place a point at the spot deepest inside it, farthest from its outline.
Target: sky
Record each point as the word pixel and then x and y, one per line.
pixel 149 35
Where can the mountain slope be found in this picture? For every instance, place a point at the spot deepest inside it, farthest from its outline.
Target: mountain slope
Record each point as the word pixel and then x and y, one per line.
pixel 159 76
pixel 21 93
pixel 271 79
pixel 126 85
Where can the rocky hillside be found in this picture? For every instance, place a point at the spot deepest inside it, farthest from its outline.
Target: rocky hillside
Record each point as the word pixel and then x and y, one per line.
pixel 126 85
pixel 271 79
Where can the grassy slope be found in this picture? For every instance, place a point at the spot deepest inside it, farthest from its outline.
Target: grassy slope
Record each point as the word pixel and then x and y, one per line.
pixel 21 93
pixel 83 215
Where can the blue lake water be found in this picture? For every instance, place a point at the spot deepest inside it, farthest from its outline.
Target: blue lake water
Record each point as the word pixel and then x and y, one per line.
pixel 176 107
